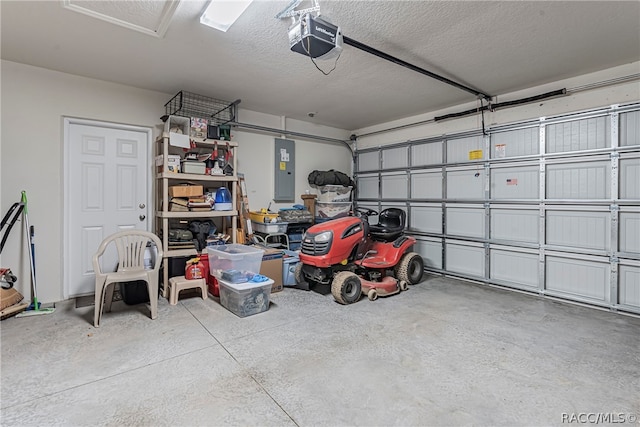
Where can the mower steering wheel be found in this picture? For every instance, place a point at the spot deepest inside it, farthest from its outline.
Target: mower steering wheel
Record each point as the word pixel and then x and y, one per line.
pixel 365 212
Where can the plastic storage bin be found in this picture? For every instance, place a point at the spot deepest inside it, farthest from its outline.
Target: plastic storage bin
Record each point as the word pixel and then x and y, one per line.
pixel 245 299
pixel 234 257
pixel 334 193
pixel 289 263
pixel 332 209
pixel 274 227
pixel 256 216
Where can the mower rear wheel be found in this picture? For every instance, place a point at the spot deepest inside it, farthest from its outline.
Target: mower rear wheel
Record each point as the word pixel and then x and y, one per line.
pixel 410 268
pixel 346 287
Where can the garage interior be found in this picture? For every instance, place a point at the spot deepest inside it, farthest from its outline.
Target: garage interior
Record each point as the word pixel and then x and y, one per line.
pixel 508 132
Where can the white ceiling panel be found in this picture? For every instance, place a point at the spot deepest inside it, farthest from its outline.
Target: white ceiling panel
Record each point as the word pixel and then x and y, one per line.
pixel 496 47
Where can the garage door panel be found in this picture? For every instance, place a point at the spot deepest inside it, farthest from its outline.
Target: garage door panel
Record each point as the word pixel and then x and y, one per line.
pixel 368 161
pixel 585 279
pixel 520 268
pixel 465 222
pixel 368 187
pixel 426 219
pixel 579 229
pixel 629 178
pixel 465 259
pixel 515 143
pixel 630 128
pixel 426 185
pixel 629 285
pixel 458 149
pixel 395 158
pixel 578 135
pixel 394 186
pixel 580 180
pixel 515 183
pixel 431 252
pixel 629 222
pixel 515 225
pixel 549 206
pixel 465 184
pixel 426 154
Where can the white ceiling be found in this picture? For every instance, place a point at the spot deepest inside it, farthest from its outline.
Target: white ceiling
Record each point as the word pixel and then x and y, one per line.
pixel 496 46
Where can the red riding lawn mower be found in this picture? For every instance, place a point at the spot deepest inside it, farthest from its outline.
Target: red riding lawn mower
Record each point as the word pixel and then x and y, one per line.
pixel 354 257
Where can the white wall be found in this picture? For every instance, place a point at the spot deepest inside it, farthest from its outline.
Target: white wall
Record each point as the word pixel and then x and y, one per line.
pixel 256 156
pixel 584 100
pixel 34 102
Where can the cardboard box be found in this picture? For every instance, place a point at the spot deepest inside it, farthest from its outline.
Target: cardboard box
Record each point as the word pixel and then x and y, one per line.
pixel 272 268
pixel 173 163
pixel 186 190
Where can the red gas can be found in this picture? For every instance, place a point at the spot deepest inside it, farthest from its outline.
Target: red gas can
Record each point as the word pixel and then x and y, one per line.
pixel 194 269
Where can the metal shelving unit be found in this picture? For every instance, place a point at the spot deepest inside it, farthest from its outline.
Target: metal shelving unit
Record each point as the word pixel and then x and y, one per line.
pixel 165 179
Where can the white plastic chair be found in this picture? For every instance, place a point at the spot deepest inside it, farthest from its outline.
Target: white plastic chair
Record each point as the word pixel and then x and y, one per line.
pixel 131 246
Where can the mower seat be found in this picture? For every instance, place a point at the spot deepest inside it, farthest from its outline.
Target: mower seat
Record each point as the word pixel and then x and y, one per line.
pixel 390 225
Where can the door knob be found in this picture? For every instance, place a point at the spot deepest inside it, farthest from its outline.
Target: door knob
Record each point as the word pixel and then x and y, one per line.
pixel 142 206
pixel 142 217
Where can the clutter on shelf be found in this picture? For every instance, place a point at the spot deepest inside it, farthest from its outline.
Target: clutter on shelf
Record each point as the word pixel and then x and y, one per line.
pixel 263 216
pixel 296 214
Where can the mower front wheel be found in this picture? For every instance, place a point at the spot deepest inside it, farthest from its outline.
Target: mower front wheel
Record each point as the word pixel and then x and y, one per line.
pixel 299 276
pixel 346 287
pixel 410 268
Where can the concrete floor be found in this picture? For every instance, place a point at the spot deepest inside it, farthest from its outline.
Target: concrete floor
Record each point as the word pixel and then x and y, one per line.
pixel 444 353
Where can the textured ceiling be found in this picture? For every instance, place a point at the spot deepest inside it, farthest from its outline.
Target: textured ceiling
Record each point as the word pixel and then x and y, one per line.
pixel 496 47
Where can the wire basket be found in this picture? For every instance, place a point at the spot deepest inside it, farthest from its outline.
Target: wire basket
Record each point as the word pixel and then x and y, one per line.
pixel 189 104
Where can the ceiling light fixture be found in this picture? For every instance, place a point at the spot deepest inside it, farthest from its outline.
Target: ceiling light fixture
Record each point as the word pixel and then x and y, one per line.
pixel 221 14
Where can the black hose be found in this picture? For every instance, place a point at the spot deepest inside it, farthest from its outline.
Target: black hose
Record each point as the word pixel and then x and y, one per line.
pixel 494 107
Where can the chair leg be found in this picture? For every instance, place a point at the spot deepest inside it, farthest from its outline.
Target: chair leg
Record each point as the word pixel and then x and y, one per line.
pixel 173 293
pixel 108 299
pixel 98 299
pixel 153 298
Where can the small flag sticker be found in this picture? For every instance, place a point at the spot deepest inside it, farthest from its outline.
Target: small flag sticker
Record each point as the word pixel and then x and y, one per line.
pixel 512 181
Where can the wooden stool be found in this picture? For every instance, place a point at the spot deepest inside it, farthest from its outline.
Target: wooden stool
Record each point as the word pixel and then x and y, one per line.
pixel 179 283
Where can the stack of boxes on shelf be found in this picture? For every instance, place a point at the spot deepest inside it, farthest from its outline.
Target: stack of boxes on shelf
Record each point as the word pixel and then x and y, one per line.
pixel 188 197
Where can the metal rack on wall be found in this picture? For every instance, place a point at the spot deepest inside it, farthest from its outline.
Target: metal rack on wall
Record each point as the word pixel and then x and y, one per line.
pixel 189 104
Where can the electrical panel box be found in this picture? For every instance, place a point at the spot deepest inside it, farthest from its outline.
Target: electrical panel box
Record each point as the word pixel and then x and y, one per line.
pixel 285 167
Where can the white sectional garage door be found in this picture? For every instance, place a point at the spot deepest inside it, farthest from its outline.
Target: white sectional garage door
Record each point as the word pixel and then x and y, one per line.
pixel 551 206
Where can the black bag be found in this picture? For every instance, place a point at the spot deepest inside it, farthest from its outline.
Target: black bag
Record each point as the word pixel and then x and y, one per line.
pixel 330 177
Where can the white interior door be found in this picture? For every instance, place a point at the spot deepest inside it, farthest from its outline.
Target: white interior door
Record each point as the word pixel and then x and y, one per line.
pixel 106 183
